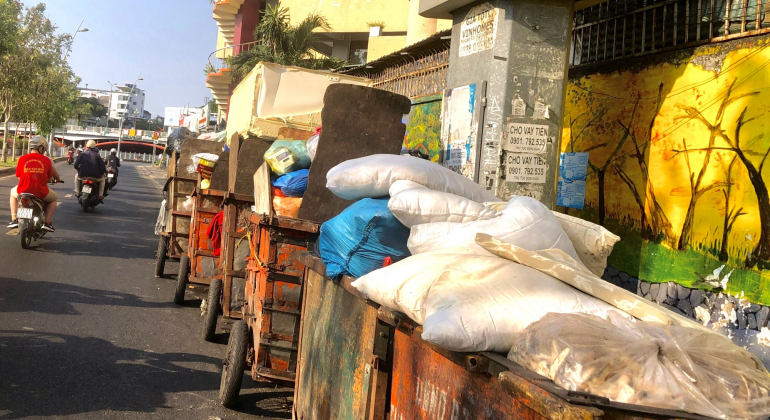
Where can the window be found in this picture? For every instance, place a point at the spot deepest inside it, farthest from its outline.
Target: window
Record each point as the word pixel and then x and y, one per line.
pixel 134 103
pixel 624 28
pixel 358 52
pixel 121 106
pixel 122 98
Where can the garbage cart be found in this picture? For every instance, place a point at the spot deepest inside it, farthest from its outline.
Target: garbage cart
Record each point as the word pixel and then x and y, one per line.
pixel 180 184
pixel 201 263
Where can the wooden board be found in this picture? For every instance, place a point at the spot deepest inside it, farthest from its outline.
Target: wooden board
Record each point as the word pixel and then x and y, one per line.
pixel 294 133
pixel 336 376
pixel 192 147
pixel 251 156
pixel 357 121
pixel 263 195
pixel 219 178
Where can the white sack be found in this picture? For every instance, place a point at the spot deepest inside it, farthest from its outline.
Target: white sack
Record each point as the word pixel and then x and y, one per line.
pixel 419 205
pixel 470 300
pixel 528 224
pixel 372 176
pixel 593 243
pixel 312 146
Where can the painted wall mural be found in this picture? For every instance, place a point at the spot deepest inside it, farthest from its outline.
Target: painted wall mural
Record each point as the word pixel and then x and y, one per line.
pixel 677 156
pixel 423 126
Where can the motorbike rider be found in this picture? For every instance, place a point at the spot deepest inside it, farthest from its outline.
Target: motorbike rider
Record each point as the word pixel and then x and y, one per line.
pixel 113 161
pixel 90 166
pixel 34 170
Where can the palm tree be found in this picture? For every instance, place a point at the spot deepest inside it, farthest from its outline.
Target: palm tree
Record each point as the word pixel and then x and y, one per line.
pixel 281 43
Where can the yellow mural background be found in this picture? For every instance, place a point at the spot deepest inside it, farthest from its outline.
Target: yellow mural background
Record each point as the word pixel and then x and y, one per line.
pixel 658 112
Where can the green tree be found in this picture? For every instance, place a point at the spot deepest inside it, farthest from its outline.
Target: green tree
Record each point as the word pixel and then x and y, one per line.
pixel 213 107
pixel 36 84
pixel 281 43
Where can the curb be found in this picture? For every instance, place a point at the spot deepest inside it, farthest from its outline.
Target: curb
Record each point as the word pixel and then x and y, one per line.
pixel 12 171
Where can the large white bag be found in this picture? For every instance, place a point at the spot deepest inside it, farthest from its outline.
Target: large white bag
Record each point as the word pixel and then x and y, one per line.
pixel 593 243
pixel 470 300
pixel 372 176
pixel 528 224
pixel 414 204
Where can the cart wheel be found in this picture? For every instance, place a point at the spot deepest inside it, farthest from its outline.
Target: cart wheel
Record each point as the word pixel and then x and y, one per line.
pixel 181 281
pixel 212 311
pixel 160 256
pixel 234 365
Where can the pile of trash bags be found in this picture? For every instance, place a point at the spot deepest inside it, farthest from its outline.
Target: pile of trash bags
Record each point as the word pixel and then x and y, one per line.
pixel 289 162
pixel 516 278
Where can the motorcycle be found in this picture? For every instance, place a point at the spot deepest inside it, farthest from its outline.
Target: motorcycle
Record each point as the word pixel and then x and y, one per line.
pixel 89 195
pixel 31 215
pixel 112 178
pixel 70 156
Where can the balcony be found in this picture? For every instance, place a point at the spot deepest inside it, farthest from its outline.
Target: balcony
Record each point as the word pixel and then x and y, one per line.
pixel 219 78
pixel 225 12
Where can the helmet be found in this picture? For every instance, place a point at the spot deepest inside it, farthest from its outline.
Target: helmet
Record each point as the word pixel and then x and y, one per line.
pixel 91 144
pixel 38 141
pixel 113 151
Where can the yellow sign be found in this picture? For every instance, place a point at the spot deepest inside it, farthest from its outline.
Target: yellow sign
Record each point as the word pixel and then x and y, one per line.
pixel 132 132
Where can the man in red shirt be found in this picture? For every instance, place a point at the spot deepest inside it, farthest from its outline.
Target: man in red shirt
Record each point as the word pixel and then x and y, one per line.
pixel 34 170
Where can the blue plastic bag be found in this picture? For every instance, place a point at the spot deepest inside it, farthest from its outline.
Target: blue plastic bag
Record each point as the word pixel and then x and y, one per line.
pixel 293 184
pixel 358 240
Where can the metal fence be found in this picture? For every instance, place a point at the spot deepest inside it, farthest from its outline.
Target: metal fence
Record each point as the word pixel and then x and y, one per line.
pixel 418 70
pixel 135 156
pixel 625 28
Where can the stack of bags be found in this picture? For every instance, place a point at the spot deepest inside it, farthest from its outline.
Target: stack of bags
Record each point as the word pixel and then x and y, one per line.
pixel 289 163
pixel 469 296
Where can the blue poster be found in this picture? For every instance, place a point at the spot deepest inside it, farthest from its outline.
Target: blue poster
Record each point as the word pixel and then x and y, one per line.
pixel 573 169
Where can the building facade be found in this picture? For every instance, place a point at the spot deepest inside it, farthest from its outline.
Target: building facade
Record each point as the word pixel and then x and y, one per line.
pixel 361 31
pixel 127 101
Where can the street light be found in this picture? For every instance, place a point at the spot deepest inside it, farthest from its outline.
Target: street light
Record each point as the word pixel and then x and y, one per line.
pixel 131 92
pixel 77 31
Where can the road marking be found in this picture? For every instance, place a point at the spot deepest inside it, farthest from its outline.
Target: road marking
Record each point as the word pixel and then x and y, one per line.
pixel 68 196
pixel 13 232
pixel 58 203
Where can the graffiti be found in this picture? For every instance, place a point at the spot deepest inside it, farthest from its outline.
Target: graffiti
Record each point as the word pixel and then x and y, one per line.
pixel 676 160
pixel 423 127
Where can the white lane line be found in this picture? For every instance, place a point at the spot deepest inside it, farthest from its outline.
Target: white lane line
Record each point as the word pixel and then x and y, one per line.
pixel 68 196
pixel 58 203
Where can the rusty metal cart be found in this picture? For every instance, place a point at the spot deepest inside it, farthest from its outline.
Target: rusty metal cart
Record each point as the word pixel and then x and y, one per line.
pixel 273 300
pixel 227 295
pixel 201 263
pixel 180 184
pixel 361 361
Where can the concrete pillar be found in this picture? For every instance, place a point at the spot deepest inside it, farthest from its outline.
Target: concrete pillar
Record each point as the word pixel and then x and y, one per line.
pixel 418 27
pixel 520 49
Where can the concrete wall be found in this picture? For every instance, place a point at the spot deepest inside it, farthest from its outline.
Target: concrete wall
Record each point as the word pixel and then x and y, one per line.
pixel 353 15
pixel 380 46
pixel 676 143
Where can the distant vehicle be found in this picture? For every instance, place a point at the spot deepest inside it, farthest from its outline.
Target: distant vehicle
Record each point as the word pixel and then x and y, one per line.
pixel 70 156
pixel 112 178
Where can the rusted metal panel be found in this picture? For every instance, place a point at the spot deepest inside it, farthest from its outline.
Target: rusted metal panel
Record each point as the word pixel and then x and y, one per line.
pixel 178 217
pixel 204 265
pixel 274 296
pixel 339 375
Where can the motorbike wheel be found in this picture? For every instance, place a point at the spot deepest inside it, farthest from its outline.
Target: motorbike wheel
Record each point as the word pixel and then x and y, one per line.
pixel 160 256
pixel 212 311
pixel 25 234
pixel 234 365
pixel 181 280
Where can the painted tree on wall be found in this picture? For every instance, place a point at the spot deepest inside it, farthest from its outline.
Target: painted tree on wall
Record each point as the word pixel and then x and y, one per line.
pixel 761 252
pixel 731 213
pixel 658 224
pixel 697 189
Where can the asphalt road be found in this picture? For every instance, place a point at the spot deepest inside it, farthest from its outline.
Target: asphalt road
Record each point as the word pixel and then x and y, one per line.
pixel 86 331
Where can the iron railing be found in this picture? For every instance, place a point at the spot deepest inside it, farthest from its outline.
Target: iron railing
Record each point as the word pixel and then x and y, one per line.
pixel 218 59
pixel 625 28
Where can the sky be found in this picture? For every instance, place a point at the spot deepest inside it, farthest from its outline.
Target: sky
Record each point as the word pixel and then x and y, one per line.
pixel 167 41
